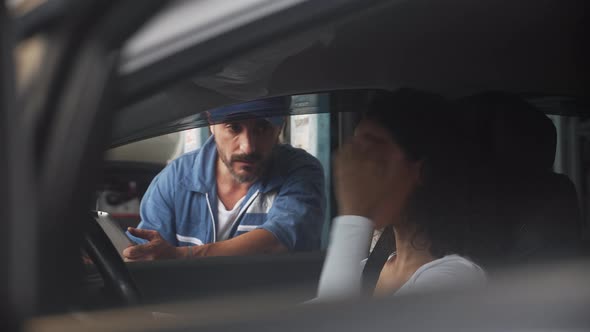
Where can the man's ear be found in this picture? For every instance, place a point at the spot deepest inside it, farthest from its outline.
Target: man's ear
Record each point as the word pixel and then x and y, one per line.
pixel 211 129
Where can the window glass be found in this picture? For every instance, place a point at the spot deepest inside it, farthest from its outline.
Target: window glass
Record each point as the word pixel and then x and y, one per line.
pixel 308 128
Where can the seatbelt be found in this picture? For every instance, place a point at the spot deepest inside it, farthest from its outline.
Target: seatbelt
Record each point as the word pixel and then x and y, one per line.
pixel 376 260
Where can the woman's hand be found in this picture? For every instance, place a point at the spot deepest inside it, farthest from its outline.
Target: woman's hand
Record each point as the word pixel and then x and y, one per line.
pixel 363 177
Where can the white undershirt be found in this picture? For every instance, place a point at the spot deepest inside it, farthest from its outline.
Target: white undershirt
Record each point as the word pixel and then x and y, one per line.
pixel 225 219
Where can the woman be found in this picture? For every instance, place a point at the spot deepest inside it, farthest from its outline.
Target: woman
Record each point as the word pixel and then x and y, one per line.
pixel 407 167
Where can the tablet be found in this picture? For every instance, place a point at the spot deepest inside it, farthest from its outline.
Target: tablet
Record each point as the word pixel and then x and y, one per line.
pixel 114 232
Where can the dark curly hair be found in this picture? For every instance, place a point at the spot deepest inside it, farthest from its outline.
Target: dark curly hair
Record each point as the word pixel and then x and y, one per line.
pixel 425 126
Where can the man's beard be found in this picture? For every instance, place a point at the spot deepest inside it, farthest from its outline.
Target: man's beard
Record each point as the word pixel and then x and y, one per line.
pixel 258 167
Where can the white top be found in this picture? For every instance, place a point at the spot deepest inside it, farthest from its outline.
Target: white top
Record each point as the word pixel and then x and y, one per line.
pixel 226 218
pixel 448 272
pixel 350 240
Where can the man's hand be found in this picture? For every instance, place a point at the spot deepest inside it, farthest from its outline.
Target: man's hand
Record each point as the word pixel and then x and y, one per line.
pixel 254 242
pixel 156 248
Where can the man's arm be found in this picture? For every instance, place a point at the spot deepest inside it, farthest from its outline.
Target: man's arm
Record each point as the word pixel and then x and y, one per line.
pixel 156 209
pixel 296 217
pixel 254 242
pixel 294 222
pixel 258 241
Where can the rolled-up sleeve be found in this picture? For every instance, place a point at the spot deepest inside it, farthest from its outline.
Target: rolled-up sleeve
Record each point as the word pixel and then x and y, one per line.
pixel 157 207
pixel 297 215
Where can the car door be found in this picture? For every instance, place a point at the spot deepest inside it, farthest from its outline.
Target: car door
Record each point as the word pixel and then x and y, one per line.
pixel 7 117
pixel 71 106
pixel 52 144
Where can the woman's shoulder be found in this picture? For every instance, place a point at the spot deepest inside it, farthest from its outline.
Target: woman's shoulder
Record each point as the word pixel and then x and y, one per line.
pixel 451 271
pixel 450 263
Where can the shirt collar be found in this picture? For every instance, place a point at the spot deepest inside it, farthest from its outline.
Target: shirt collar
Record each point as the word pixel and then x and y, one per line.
pixel 202 177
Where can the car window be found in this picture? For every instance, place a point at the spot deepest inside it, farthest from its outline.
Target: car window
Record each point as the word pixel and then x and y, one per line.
pixel 161 149
pixel 314 132
pixel 121 193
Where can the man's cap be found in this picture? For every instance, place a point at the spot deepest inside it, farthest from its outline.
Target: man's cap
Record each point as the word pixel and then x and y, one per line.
pixel 272 109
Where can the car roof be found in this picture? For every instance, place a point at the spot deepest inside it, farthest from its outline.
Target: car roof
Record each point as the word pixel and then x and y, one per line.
pixel 185 23
pixel 455 48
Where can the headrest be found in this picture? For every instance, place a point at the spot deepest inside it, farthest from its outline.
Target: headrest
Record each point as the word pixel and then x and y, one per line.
pixel 510 131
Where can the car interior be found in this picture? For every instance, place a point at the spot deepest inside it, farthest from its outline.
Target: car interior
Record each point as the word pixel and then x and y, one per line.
pixel 534 211
pixel 512 69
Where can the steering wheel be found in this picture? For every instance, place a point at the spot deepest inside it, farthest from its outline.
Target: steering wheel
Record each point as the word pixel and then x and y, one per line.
pixel 109 263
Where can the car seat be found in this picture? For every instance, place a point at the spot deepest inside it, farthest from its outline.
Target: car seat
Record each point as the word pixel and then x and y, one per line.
pixel 536 214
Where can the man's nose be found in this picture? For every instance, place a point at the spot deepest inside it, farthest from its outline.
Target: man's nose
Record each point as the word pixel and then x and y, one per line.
pixel 247 142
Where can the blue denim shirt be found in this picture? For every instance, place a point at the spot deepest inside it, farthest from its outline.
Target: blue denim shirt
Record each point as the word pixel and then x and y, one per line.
pixel 288 201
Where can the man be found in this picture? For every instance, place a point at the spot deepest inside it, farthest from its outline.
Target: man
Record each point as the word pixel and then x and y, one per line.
pixel 241 193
